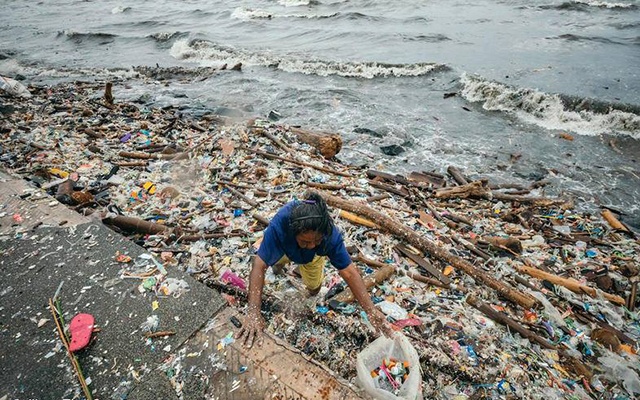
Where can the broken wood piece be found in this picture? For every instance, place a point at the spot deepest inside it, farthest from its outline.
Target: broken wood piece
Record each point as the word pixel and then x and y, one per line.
pixel 424 244
pixel 151 335
pixel 263 220
pixel 132 224
pixel 402 192
pixel 424 279
pixel 631 300
pixel 239 194
pixel 613 221
pixel 510 244
pixel 333 186
pixel 457 218
pixel 274 139
pixel 457 175
pixel 208 236
pixel 569 283
pixel 130 163
pixel 372 263
pixel 505 320
pixel 327 144
pixel 381 275
pixel 473 189
pixel 423 263
pixel 372 174
pixel 535 201
pixel 573 364
pixel 432 179
pixel 378 197
pixel 148 156
pixel 108 95
pixel 296 162
pixel 469 246
pixel 356 219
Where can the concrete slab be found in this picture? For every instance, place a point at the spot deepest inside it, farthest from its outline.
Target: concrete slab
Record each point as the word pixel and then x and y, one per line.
pixel 274 370
pixel 36 261
pixel 37 255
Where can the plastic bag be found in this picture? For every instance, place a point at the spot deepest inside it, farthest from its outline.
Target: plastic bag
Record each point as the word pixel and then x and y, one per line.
pixel 399 348
pixel 174 287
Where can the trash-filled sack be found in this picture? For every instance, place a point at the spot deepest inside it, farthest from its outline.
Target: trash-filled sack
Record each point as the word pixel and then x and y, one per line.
pixel 389 369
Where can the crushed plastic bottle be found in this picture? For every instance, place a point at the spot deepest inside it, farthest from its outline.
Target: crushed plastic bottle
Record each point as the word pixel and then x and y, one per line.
pixel 14 87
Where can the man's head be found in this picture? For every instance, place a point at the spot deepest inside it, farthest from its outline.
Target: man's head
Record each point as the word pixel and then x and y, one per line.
pixel 310 221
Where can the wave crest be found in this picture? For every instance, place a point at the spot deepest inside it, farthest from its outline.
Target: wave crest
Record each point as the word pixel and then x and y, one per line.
pixel 165 36
pixel 247 14
pixel 207 52
pixel 554 111
pixel 605 4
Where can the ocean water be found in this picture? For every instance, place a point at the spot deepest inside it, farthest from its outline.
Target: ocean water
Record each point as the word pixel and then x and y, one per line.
pixel 522 72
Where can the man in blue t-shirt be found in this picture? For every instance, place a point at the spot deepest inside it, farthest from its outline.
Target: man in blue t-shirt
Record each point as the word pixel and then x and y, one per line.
pixel 303 232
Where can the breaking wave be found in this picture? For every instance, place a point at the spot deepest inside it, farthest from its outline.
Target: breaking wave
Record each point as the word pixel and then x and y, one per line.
pixel 577 38
pixel 584 5
pixel 426 38
pixel 120 10
pixel 605 4
pixel 297 3
pixel 554 111
pixel 79 37
pixel 207 52
pixel 247 14
pixel 165 36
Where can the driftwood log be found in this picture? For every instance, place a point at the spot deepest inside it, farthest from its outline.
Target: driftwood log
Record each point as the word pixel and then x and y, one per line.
pixel 327 144
pixel 569 283
pixel 457 175
pixel 473 189
pixel 423 244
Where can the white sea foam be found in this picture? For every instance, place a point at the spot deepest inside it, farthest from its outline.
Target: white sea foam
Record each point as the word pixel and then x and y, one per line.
pixel 247 14
pixel 120 9
pixel 294 3
pixel 547 110
pixel 604 4
pixel 210 54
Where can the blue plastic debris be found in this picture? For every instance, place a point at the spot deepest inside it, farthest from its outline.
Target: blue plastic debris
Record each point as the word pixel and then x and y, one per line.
pixel 322 309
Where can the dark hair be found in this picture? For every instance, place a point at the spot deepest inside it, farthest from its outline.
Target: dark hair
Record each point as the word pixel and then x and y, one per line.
pixel 311 214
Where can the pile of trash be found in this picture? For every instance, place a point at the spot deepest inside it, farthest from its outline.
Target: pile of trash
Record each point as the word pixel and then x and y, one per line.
pixel 503 292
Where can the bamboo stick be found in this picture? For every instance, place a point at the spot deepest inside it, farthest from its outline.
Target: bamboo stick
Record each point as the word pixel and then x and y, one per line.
pixel 356 219
pixel 569 283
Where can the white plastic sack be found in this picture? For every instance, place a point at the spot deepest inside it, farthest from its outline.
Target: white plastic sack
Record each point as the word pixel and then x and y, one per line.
pixel 13 87
pixel 399 348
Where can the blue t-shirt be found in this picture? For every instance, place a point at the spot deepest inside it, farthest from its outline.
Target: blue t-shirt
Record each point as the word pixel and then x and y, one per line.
pixel 279 240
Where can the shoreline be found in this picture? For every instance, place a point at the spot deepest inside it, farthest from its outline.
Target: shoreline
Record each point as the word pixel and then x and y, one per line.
pixel 182 186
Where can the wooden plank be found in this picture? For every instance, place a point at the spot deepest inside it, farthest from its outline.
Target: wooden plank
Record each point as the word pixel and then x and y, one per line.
pixel 423 263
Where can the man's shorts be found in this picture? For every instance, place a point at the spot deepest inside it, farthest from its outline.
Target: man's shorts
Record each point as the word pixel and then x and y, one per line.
pixel 312 273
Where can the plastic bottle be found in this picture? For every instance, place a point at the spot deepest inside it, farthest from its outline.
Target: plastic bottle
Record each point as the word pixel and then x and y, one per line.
pixel 13 87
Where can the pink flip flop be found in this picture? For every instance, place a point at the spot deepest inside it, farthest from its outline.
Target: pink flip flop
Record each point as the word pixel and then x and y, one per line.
pixel 81 327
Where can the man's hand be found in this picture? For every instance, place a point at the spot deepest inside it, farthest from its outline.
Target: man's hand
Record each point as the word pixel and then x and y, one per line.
pixel 379 321
pixel 252 328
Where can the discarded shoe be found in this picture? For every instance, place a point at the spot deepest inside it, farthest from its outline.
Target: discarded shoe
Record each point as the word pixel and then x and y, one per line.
pixel 80 329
